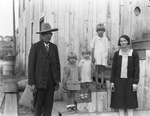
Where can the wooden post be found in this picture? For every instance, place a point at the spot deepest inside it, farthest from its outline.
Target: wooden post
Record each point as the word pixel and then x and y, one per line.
pixel 14 37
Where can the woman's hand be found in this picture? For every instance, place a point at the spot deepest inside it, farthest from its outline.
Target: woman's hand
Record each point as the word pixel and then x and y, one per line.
pixel 56 86
pixel 112 87
pixel 135 87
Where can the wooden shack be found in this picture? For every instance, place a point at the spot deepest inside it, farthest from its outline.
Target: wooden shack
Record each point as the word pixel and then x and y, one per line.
pixel 76 21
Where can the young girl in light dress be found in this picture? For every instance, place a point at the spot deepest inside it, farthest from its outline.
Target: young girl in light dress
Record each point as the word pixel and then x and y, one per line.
pixel 85 69
pixel 71 81
pixel 99 45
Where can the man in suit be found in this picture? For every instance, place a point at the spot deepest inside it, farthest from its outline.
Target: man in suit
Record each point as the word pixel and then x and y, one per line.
pixel 44 71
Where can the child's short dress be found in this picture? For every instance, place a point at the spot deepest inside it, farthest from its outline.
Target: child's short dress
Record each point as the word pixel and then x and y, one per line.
pixel 100 46
pixel 86 68
pixel 71 77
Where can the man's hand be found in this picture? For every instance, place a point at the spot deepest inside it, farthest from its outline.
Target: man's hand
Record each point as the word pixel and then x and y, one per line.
pixel 57 87
pixel 33 88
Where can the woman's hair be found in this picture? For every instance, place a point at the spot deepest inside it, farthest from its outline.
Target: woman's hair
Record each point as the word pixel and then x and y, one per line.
pixel 125 37
pixel 71 55
pixel 100 27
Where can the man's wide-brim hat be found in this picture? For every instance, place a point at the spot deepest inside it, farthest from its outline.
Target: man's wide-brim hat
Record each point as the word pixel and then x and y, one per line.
pixel 46 27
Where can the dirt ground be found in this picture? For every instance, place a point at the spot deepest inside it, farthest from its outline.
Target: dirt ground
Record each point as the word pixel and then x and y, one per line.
pixel 23 111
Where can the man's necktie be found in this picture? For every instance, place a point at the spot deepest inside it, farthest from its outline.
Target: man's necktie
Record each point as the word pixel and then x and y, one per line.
pixel 47 48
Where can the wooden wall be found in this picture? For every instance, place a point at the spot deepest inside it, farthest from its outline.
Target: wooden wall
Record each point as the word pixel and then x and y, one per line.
pixel 76 20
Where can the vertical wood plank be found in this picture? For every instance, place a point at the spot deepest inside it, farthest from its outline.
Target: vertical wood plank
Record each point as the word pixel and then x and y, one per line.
pixel 115 26
pixel 94 6
pixel 140 92
pixel 102 101
pixel 147 81
pixel 127 19
pixel 61 41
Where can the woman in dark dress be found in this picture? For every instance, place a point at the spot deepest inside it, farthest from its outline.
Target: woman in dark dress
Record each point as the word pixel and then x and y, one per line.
pixel 124 78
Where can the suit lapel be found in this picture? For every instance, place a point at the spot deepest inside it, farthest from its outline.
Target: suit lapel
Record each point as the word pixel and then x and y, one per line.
pixel 50 50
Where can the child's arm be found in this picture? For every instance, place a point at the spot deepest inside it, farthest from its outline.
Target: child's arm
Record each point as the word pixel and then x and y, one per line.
pixel 79 70
pixel 65 76
pixel 92 46
pixel 106 47
pixel 92 71
pixel 79 74
pixel 92 54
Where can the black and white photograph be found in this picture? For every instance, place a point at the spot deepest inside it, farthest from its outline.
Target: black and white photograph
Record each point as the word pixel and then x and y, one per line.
pixel 74 57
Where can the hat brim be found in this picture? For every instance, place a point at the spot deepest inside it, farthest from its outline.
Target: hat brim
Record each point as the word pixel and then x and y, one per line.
pixel 51 30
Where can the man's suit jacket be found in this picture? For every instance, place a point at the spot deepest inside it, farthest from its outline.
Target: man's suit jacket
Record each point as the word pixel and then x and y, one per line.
pixel 42 63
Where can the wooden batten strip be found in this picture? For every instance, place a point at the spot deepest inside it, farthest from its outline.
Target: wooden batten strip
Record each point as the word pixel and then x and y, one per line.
pixel 2 99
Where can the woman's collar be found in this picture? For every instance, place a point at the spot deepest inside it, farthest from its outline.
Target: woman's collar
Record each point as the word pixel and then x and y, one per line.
pixel 129 52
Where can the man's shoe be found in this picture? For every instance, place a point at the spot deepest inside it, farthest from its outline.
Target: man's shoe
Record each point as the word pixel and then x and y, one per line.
pixel 69 109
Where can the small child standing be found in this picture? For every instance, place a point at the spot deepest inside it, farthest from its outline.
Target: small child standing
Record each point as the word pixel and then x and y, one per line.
pixel 71 81
pixel 85 71
pixel 99 45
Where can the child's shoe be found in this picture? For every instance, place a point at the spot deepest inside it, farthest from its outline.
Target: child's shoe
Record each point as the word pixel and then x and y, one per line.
pixel 82 96
pixel 86 96
pixel 98 86
pixel 103 86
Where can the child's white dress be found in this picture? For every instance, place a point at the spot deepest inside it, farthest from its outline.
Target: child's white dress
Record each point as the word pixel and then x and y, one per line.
pixel 100 46
pixel 86 68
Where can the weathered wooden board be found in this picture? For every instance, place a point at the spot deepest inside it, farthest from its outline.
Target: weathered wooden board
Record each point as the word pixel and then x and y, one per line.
pixel 11 105
pixel 147 81
pixel 142 54
pixel 102 101
pixel 141 44
pixel 140 91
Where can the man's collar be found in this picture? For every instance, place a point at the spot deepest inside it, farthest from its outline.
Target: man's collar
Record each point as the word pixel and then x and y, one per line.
pixel 46 44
